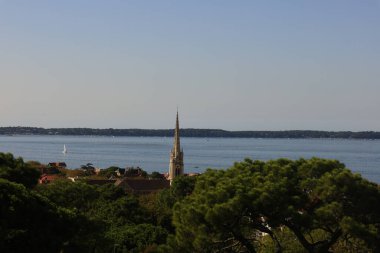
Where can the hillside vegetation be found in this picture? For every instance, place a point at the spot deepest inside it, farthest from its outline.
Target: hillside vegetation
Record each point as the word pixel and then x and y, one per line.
pixel 306 205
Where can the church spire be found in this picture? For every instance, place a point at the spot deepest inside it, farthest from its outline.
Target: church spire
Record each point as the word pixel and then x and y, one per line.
pixel 177 145
pixel 176 155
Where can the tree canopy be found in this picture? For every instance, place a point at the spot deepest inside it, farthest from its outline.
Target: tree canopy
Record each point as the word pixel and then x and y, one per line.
pixel 230 210
pixel 15 170
pixel 30 222
pixel 307 205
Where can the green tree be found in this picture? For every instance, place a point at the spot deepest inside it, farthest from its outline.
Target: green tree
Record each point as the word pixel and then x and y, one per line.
pixel 111 171
pixel 137 238
pixel 181 187
pixel 319 201
pixel 156 175
pixel 98 207
pixel 79 196
pixel 30 222
pixel 15 170
pixel 119 212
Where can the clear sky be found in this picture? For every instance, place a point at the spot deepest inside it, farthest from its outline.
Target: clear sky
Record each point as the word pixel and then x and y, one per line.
pixel 235 65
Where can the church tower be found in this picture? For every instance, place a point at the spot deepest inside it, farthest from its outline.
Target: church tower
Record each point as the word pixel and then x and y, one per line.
pixel 176 155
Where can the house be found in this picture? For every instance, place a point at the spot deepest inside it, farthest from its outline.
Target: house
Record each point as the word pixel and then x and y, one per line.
pixel 45 178
pixel 142 186
pixel 57 165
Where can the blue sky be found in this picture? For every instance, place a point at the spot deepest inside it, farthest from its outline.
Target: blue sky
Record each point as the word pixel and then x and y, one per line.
pixel 236 65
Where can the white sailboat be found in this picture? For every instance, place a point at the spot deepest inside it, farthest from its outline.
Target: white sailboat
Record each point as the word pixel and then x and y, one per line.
pixel 64 149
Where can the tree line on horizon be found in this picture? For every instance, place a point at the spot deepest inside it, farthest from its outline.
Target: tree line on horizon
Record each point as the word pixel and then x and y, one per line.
pixel 190 132
pixel 307 205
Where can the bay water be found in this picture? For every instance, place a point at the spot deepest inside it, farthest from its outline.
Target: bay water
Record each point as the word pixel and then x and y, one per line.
pixel 152 153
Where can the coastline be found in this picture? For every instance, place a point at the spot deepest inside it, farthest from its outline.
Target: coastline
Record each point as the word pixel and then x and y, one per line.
pixel 191 132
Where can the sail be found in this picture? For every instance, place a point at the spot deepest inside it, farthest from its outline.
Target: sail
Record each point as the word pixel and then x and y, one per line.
pixel 64 149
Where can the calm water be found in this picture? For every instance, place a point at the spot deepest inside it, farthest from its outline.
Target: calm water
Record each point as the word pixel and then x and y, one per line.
pixel 152 153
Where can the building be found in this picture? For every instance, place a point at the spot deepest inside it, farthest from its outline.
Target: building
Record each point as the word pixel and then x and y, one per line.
pixel 45 178
pixel 59 165
pixel 176 167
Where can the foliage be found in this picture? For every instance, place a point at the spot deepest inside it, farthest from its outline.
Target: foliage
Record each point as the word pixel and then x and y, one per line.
pixel 228 210
pixel 15 170
pixel 149 203
pixel 73 173
pixel 312 205
pixel 107 173
pixel 30 222
pixel 136 238
pixel 108 210
pixel 288 241
pixel 35 164
pixel 156 175
pixel 119 212
pixel 77 196
pixel 181 187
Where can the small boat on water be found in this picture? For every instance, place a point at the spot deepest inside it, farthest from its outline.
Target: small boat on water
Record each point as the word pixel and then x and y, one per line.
pixel 64 149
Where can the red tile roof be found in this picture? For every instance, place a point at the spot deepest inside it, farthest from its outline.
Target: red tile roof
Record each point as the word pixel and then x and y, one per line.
pixel 45 178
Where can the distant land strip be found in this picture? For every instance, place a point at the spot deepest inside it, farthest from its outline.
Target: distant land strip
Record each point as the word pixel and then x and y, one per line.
pixel 190 132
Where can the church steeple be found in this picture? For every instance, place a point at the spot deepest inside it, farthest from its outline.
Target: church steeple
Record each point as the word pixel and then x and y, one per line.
pixel 177 144
pixel 176 154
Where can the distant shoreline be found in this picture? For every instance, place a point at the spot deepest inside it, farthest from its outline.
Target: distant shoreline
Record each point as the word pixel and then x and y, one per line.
pixel 190 132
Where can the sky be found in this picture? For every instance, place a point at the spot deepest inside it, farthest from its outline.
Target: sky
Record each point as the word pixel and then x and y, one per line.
pixel 234 65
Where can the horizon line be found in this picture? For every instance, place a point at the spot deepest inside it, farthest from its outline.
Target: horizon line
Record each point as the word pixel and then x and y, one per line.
pixel 191 128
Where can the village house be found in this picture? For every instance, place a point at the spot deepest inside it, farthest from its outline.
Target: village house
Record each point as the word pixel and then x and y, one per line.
pixel 134 180
pixel 58 165
pixel 46 178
